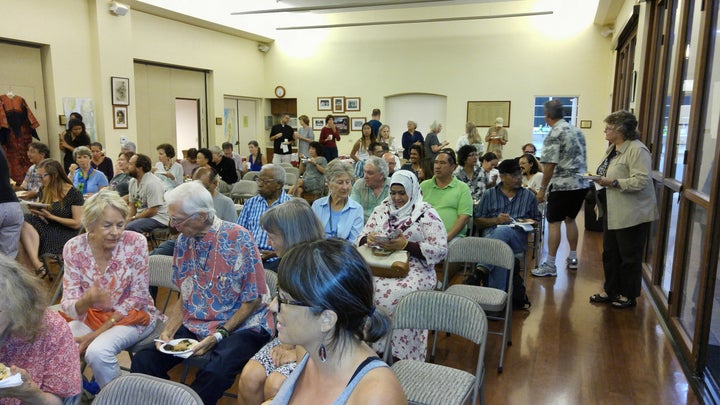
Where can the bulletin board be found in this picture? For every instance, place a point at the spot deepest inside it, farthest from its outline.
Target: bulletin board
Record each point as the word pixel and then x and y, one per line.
pixel 484 113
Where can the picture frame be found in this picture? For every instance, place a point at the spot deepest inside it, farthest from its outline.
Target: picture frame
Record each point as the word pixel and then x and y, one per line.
pixel 342 122
pixel 484 113
pixel 338 104
pixel 585 124
pixel 318 123
pixel 324 103
pixel 120 117
pixel 120 90
pixel 352 104
pixel 356 123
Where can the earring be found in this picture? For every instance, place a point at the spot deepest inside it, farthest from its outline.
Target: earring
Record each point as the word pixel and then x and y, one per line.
pixel 322 352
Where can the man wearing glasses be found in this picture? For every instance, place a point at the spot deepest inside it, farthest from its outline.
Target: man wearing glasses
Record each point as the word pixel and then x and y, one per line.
pixel 270 183
pixel 501 207
pixel 223 299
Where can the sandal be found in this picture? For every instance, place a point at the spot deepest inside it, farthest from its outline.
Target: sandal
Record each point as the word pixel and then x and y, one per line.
pixel 41 272
pixel 603 299
pixel 624 302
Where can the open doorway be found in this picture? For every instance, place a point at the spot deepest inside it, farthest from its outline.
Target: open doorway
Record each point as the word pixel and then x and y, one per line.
pixel 187 123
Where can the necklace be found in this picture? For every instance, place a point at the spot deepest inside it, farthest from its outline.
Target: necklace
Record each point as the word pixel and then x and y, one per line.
pixel 209 281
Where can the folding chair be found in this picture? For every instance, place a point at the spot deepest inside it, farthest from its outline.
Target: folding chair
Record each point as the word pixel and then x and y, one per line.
pixel 492 252
pixel 427 383
pixel 251 175
pixel 144 389
pixel 243 190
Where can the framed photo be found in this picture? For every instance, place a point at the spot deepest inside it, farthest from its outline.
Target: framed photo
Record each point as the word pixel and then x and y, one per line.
pixel 342 122
pixel 484 113
pixel 120 118
pixel 120 89
pixel 338 104
pixel 318 122
pixel 356 123
pixel 352 104
pixel 324 103
pixel 585 124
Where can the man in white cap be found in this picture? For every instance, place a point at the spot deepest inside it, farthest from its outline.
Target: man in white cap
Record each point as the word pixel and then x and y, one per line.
pixel 496 137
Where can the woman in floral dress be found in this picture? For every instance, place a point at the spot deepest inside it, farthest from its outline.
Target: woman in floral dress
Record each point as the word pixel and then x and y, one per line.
pixel 413 225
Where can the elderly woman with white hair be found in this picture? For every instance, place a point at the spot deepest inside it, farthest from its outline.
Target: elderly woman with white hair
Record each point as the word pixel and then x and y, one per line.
pixel 403 221
pixel 411 137
pixel 86 179
pixel 342 216
pixel 432 142
pixel 105 288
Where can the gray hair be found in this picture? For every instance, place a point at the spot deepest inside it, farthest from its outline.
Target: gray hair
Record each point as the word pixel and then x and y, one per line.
pixel 193 198
pixel 414 124
pixel 23 299
pixel 82 151
pixel 216 150
pixel 338 168
pixel 295 221
pixel 94 207
pixel 279 172
pixel 435 126
pixel 130 146
pixel 380 163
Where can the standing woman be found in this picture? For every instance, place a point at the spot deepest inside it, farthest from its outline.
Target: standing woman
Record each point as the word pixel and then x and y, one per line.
pixel 86 178
pixel 47 229
pixel 496 137
pixel 341 215
pixel 71 139
pixel 167 169
pixel 304 136
pixel 471 137
pixel 256 159
pixel 328 137
pixel 385 139
pixel 411 137
pixel 628 203
pixel 361 150
pixel 432 142
pixel 100 161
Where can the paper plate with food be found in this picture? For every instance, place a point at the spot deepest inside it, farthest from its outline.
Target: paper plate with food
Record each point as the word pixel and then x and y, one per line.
pixel 8 380
pixel 179 347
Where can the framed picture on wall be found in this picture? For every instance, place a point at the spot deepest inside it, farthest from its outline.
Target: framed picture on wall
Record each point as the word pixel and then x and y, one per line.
pixel 120 90
pixel 338 104
pixel 120 118
pixel 352 104
pixel 342 122
pixel 324 103
pixel 356 123
pixel 318 122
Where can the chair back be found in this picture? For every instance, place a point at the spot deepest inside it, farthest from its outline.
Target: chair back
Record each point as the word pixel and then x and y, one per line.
pixel 290 179
pixel 293 170
pixel 244 189
pixel 271 280
pixel 145 389
pixel 473 249
pixel 161 272
pixel 286 165
pixel 252 175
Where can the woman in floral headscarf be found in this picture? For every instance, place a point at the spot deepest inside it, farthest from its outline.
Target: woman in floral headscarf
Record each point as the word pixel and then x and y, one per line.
pixel 404 222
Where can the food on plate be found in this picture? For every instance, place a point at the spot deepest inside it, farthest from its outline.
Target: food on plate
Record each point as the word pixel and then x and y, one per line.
pixel 181 346
pixel 4 372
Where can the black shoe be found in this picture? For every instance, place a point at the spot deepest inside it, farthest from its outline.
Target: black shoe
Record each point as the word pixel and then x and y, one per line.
pixel 624 302
pixel 475 278
pixel 603 299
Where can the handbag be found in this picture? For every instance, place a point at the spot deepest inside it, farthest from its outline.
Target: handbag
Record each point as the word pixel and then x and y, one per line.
pixel 394 265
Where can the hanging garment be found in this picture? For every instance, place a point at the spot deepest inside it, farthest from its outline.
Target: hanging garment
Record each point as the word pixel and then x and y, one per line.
pixel 17 128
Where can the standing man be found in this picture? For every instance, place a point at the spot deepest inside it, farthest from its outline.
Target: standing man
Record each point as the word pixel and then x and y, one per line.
pixel 449 196
pixel 270 183
pixel 282 136
pixel 564 163
pixel 224 296
pixel 375 123
pixel 374 187
pixel 225 168
pixel 146 193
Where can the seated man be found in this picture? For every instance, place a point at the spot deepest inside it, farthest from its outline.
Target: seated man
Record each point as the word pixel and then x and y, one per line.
pixel 225 167
pixel 449 196
pixel 37 152
pixel 374 187
pixel 499 206
pixel 147 204
pixel 392 161
pixel 224 296
pixel 270 183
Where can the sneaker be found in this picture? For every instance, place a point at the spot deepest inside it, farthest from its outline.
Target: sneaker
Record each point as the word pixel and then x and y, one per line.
pixel 572 264
pixel 545 270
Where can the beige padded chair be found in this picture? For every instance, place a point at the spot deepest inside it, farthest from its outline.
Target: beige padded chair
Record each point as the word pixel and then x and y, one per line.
pixel 251 176
pixel 427 383
pixel 493 301
pixel 144 389
pixel 243 190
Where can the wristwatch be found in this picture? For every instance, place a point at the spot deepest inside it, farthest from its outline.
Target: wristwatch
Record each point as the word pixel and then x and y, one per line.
pixel 615 184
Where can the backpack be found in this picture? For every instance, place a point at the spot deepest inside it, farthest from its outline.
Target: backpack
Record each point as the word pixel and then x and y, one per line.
pixel 520 299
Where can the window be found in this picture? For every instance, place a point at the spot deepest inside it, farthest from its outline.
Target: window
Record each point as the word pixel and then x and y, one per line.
pixel 541 128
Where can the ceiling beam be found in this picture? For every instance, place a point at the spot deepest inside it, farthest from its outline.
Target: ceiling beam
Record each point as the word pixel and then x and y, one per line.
pixel 418 21
pixel 339 6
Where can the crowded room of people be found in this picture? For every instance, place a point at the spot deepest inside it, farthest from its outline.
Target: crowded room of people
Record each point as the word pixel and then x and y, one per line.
pixel 386 202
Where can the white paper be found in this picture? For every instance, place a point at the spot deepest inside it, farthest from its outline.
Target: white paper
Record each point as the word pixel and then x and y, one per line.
pixel 12 381
pixel 284 148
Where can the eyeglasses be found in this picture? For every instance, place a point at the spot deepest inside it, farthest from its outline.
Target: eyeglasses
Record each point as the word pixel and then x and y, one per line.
pixel 608 129
pixel 287 301
pixel 177 222
pixel 263 181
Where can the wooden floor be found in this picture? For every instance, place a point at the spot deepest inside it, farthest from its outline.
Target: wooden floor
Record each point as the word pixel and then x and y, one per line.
pixel 568 351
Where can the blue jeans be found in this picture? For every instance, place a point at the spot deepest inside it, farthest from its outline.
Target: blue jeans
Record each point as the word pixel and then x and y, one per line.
pixel 142 225
pixel 517 240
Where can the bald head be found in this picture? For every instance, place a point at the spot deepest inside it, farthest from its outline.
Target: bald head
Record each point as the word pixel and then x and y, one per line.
pixel 390 159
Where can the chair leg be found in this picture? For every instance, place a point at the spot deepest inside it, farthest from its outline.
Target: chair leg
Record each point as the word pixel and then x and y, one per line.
pixel 432 353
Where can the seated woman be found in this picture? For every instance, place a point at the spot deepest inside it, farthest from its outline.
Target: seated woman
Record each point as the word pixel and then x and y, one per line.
pixel 333 322
pixel 100 161
pixel 417 153
pixel 406 223
pixel 121 181
pixel 46 230
pixel 532 174
pixel 35 342
pixel 105 288
pixel 256 159
pixel 470 172
pixel 313 171
pixel 86 178
pixel 166 168
pixel 286 225
pixel 342 216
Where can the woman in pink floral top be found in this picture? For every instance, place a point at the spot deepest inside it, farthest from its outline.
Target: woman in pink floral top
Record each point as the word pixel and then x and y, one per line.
pixel 35 342
pixel 105 288
pixel 413 225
